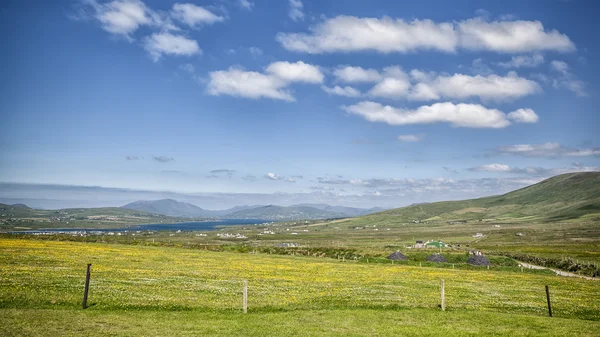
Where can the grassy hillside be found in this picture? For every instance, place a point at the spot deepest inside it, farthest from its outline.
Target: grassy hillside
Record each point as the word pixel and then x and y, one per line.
pixel 567 196
pixel 167 207
pixel 19 217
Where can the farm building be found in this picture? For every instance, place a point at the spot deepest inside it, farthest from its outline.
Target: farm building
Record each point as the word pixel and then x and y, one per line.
pixel 419 244
pixel 435 244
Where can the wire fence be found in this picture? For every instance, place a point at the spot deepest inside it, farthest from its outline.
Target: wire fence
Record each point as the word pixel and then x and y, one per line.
pixel 276 294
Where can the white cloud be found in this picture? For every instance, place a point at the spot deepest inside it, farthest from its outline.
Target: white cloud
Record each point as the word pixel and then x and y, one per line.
pixel 386 35
pixel 523 61
pixel 348 33
pixel 346 91
pixel 249 84
pixel 295 12
pixel 167 43
pixel 523 116
pixel 123 17
pixel 273 176
pixel 492 168
pixel 193 15
pixel 395 84
pixel 460 115
pixel 410 138
pixel 511 36
pixel 460 86
pixel 549 150
pixel 272 84
pixel 296 72
pixel 245 4
pixel 350 74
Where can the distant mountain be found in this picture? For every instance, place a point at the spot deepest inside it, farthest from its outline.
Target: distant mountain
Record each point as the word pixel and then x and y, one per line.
pixel 224 212
pixel 167 207
pixel 172 207
pixel 347 211
pixel 182 209
pixel 273 212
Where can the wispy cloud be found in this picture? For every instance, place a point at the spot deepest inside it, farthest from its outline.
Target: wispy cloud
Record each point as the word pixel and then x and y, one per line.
pixel 223 172
pixel 448 169
pixel 567 80
pixel 162 159
pixel 193 15
pixel 296 12
pixel 534 170
pixel 523 61
pixel 346 91
pixel 133 158
pixel 246 4
pixel 160 44
pixel 411 138
pixel 549 150
pixel 291 179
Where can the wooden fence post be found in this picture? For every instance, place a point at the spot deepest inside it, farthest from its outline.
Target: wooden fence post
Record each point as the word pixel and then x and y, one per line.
pixel 548 299
pixel 245 297
pixel 87 286
pixel 443 296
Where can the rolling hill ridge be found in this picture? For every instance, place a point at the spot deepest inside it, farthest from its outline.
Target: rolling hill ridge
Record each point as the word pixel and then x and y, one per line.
pixel 563 197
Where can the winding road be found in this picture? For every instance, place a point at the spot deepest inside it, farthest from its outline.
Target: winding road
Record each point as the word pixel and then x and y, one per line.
pixel 557 271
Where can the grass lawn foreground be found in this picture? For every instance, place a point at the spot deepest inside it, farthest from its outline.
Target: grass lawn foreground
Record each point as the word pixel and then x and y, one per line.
pixel 158 291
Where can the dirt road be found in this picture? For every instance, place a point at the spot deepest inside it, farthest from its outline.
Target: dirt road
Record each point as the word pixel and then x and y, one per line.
pixel 557 271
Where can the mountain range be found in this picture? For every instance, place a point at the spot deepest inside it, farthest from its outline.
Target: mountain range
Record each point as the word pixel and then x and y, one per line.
pixel 173 207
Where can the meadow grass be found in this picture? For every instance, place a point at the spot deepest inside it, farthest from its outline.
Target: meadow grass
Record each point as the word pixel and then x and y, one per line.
pixel 344 322
pixel 50 275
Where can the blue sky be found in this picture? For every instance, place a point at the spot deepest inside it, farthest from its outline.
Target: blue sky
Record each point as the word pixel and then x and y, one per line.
pixel 378 103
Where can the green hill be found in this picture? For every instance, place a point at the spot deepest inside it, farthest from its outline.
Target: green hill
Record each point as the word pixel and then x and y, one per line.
pixel 563 197
pixel 167 207
pixel 22 217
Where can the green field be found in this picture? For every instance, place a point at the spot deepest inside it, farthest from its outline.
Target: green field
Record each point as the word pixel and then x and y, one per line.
pixel 42 281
